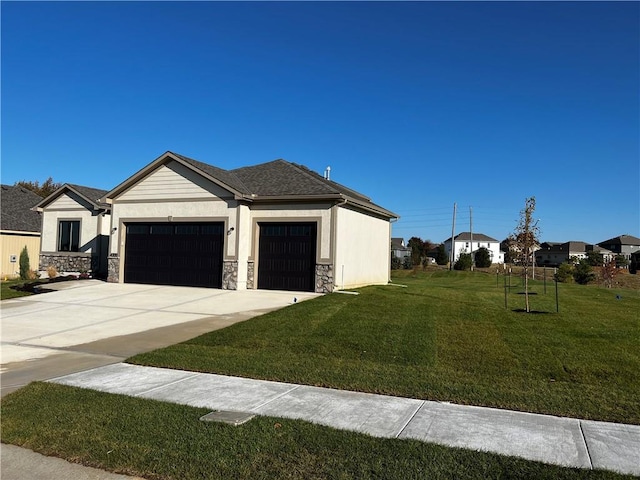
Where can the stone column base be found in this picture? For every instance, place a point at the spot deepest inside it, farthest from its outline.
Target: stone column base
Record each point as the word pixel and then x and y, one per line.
pixel 324 279
pixel 113 265
pixel 250 272
pixel 230 275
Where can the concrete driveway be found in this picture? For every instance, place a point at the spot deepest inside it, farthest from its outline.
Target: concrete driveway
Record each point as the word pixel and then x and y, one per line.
pixel 91 323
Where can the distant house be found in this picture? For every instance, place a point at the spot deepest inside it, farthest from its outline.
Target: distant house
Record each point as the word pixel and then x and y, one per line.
pixel 622 245
pixel 552 254
pixel 512 250
pixel 75 230
pixel 467 242
pixel 607 254
pixel 399 249
pixel 19 227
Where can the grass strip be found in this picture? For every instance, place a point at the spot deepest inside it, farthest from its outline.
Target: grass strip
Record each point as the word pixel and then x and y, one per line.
pixel 6 292
pixel 158 440
pixel 447 337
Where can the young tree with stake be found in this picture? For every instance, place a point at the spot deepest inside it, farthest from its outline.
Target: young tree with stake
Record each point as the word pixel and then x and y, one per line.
pixel 525 239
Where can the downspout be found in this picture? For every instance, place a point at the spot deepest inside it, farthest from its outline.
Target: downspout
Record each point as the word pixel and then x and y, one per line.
pixel 335 233
pixel 391 220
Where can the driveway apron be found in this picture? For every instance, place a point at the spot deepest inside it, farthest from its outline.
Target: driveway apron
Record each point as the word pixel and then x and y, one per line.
pixel 90 323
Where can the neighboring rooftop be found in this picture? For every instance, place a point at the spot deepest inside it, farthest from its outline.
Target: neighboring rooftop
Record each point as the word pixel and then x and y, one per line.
pixel 477 237
pixel 398 244
pixel 17 215
pixel 622 240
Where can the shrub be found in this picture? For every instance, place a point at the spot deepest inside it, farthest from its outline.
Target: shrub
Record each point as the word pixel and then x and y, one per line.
pixel 463 262
pixel 52 271
pixel 595 259
pixel 564 273
pixel 583 273
pixel 396 263
pixel 407 264
pixel 24 264
pixel 483 258
pixel 621 261
pixel 32 275
pixel 441 256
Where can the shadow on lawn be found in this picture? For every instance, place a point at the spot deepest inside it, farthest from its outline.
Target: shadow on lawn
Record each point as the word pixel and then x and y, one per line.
pixel 535 312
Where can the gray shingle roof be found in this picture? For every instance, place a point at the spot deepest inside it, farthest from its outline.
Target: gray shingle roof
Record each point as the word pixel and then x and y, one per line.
pixel 277 180
pixel 91 194
pixel 280 178
pixel 574 246
pixel 477 237
pixel 566 247
pixel 622 240
pixel 17 215
pixel 225 176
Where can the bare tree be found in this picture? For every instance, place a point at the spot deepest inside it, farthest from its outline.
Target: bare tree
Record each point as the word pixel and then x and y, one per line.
pixel 524 239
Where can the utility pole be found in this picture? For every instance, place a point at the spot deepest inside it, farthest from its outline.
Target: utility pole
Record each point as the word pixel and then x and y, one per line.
pixel 453 243
pixel 471 234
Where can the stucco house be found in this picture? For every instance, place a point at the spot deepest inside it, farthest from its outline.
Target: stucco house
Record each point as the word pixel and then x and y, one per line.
pixel 178 221
pixel 468 242
pixel 75 230
pixel 19 228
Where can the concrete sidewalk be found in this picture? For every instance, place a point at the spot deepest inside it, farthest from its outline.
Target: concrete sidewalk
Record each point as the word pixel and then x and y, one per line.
pixel 23 464
pixel 555 440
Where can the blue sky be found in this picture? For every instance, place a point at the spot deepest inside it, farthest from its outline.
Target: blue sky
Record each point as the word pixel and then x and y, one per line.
pixel 416 104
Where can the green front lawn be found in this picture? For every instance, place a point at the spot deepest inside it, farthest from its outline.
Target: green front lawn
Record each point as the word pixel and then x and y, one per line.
pixel 159 440
pixel 449 337
pixel 7 292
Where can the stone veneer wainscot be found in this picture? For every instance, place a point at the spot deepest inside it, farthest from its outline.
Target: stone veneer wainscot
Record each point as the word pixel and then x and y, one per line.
pixel 68 262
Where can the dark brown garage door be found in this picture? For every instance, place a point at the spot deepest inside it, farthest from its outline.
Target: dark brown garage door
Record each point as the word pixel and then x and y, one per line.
pixel 287 256
pixel 188 254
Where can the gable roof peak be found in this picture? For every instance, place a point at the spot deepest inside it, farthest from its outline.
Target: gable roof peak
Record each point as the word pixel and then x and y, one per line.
pixel 89 194
pixel 226 178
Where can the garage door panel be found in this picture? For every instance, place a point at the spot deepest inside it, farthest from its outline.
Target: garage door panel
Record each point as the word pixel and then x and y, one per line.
pixel 174 254
pixel 286 257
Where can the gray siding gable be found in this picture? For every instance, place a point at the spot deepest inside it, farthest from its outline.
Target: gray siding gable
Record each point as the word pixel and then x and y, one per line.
pixel 89 194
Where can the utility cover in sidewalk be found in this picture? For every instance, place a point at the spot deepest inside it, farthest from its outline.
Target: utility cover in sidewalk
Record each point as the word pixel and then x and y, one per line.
pixel 231 418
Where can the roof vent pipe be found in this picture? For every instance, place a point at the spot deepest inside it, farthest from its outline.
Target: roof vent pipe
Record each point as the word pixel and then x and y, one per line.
pixel 327 173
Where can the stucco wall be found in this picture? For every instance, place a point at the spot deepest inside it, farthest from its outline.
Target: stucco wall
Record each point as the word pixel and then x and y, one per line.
pixel 70 207
pixel 242 231
pixel 213 210
pixel 292 213
pixel 363 254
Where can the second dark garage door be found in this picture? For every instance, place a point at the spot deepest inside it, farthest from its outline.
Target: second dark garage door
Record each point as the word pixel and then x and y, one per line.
pixel 287 256
pixel 187 254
